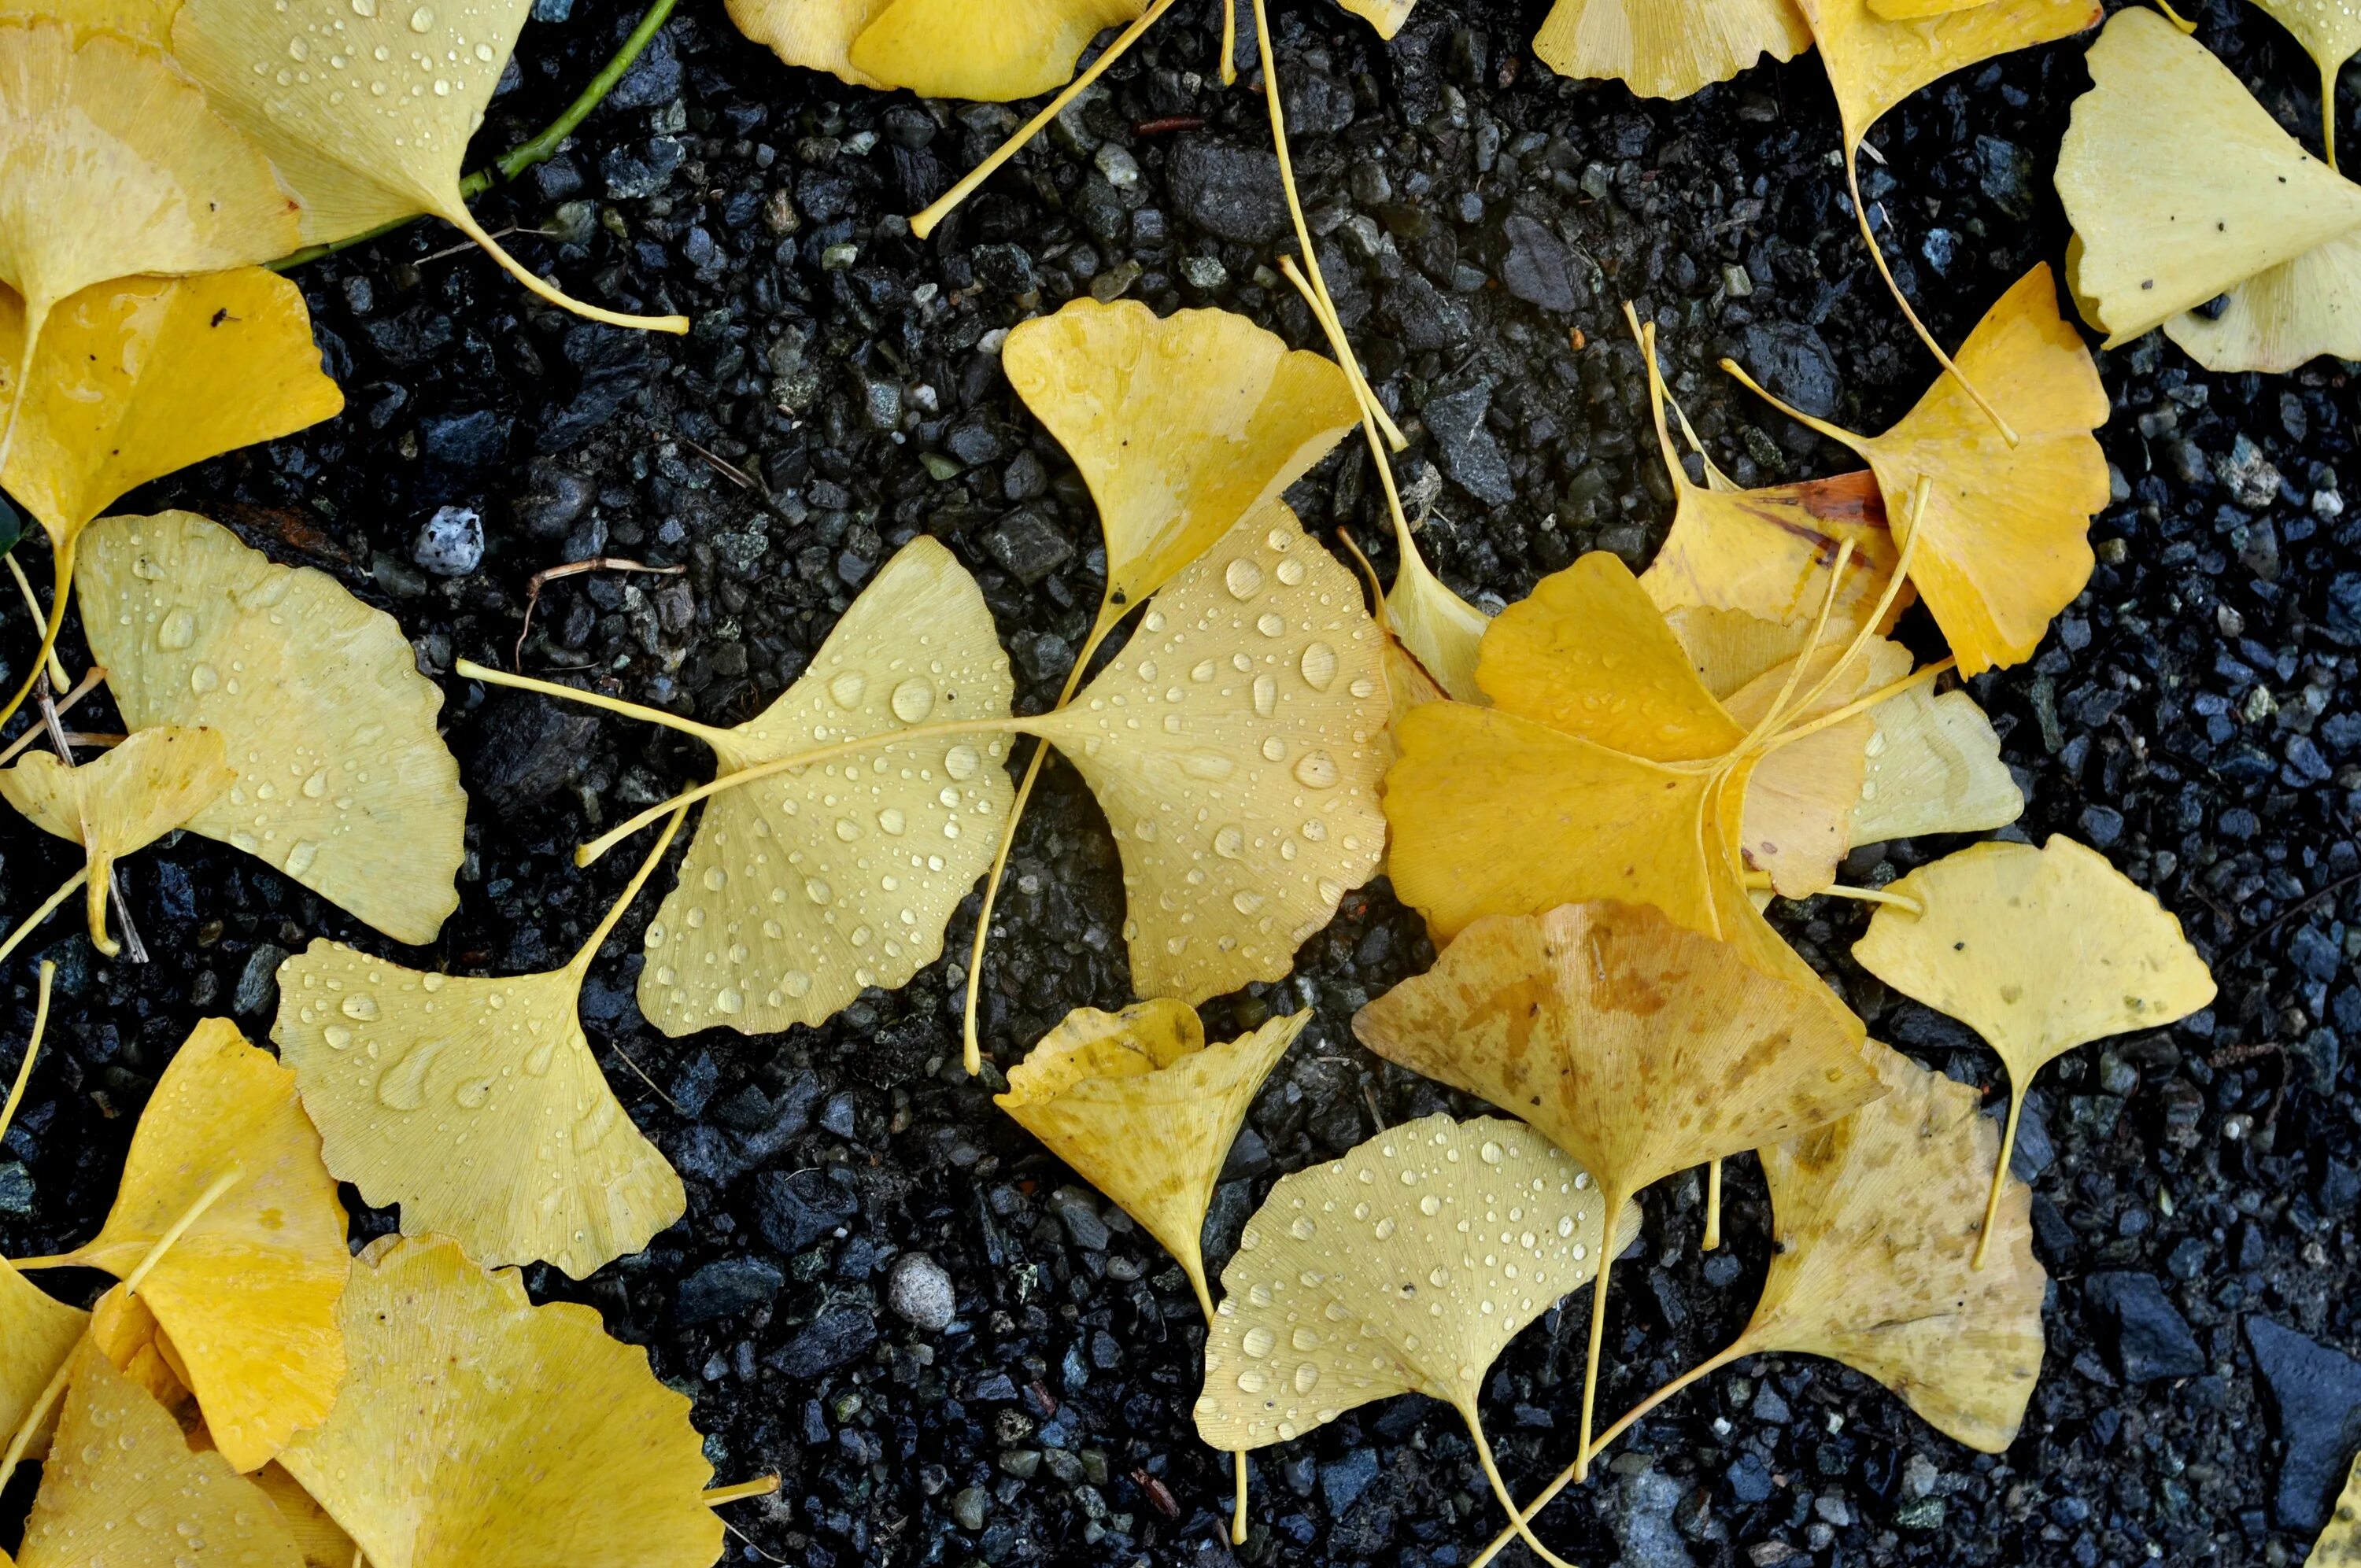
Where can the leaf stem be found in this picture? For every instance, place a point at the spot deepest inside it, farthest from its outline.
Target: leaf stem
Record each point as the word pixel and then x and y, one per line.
pixel 48 907
pixel 1614 1202
pixel 61 594
pixel 1712 1240
pixel 32 1050
pixel 589 951
pixel 2000 1173
pixel 38 1412
pixel 180 1227
pixel 760 1486
pixel 1518 1526
pixel 495 678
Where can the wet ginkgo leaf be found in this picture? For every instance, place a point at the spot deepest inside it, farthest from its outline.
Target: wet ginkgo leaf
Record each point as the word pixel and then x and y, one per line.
pixel 367 108
pixel 125 1332
pixel 343 784
pixel 1386 16
pixel 1235 747
pixel 2003 542
pixel 139 378
pixel 248 1291
pixel 478 1430
pixel 2330 31
pixel 992 50
pixel 2039 951
pixel 2162 230
pixel 807 886
pixel 1636 1047
pixel 146 21
pixel 1405 1266
pixel 40 1331
pixel 815 34
pixel 2339 1545
pixel 1443 632
pixel 1181 424
pixel 475 1104
pixel 1144 1110
pixel 320 1538
pixel 1934 767
pixel 121 801
pixel 123 1487
pixel 1668 48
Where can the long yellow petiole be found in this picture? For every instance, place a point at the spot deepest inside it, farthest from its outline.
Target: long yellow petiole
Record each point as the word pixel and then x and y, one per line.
pixel 472 671
pixel 1712 1240
pixel 760 1486
pixel 1614 1202
pixel 31 922
pixel 2000 1175
pixel 32 1050
pixel 1517 1525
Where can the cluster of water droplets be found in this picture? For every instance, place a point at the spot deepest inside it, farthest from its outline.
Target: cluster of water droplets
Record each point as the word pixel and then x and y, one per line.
pixel 422 69
pixel 1406 1264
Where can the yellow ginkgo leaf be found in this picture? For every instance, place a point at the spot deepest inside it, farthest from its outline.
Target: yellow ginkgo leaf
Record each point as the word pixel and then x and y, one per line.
pixel 247 1289
pixel 144 21
pixel 2330 31
pixel 320 1538
pixel 475 1104
pixel 2283 317
pixel 478 1430
pixel 123 1487
pixel 1668 48
pixel 138 377
pixel 1795 816
pixel 1638 1047
pixel 125 1332
pixel 1144 1110
pixel 1405 1266
pixel 2039 951
pixel 120 802
pixel 1181 424
pixel 1443 632
pixel 1934 767
pixel 2166 223
pixel 2003 543
pixel 40 1333
pixel 807 885
pixel 1386 16
pixel 988 49
pixel 2339 1545
pixel 1235 747
pixel 373 119
pixel 815 33
pixel 343 784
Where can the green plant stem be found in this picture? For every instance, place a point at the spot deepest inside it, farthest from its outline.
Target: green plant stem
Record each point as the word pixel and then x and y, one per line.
pixel 525 155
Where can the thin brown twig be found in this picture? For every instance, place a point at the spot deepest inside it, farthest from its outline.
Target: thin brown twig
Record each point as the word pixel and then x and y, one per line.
pixel 2284 916
pixel 449 251
pixel 727 469
pixel 574 569
pixel 91 680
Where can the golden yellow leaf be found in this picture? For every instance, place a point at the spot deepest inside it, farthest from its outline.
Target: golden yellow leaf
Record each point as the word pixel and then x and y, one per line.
pixel 1912 10
pixel 1386 16
pixel 40 1332
pixel 2339 1545
pixel 248 1291
pixel 1180 426
pixel 2282 317
pixel 1443 632
pixel 1405 1266
pixel 322 1541
pixel 1767 552
pixel 2039 951
pixel 1668 48
pixel 995 51
pixel 343 784
pixel 2167 223
pixel 808 886
pixel 121 801
pixel 143 21
pixel 817 34
pixel 1873 1233
pixel 1934 767
pixel 2330 31
pixel 1874 62
pixel 1145 1111
pixel 1235 746
pixel 125 1332
pixel 479 1430
pixel 122 1487
pixel 136 377
pixel 2003 540
pixel 373 118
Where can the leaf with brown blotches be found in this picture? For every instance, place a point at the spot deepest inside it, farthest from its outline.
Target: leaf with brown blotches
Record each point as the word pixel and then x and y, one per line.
pixel 2039 951
pixel 1668 48
pixel 343 784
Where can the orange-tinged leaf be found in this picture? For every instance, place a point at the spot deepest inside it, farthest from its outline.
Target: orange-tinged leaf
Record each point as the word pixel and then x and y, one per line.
pixel 1767 552
pixel 248 1293
pixel 122 1487
pixel 818 34
pixel 479 1430
pixel 1181 424
pixel 139 378
pixel 1668 48
pixel 1875 63
pixel 1145 1111
pixel 993 51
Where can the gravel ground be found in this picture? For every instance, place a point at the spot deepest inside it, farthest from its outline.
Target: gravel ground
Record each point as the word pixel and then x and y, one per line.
pixel 884 1290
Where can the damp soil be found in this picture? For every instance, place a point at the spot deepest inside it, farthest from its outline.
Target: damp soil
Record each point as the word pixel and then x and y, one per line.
pixel 2194 715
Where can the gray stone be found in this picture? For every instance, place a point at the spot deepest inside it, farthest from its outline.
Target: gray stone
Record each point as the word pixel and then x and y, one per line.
pixel 1231 192
pixel 257 983
pixel 1342 1481
pixel 727 1287
pixel 1028 546
pixel 2151 1338
pixel 969 1506
pixel 15 1188
pixel 920 1293
pixel 1538 269
pixel 451 543
pixel 2315 1396
pixel 1794 362
pixel 828 1342
pixel 1640 1515
pixel 1454 417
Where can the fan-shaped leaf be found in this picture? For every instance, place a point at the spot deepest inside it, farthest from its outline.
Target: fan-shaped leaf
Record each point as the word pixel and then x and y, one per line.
pixel 248 1291
pixel 1443 632
pixel 1386 16
pixel 479 1430
pixel 817 34
pixel 365 110
pixel 1668 48
pixel 1934 767
pixel 994 51
pixel 1875 63
pixel 320 1538
pixel 1145 1111
pixel 2282 317
pixel 343 784
pixel 40 1333
pixel 1235 745
pixel 808 886
pixel 123 1487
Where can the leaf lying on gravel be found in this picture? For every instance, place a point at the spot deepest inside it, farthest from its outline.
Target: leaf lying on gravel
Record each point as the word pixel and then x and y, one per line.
pixel 2330 31
pixel 343 784
pixel 1145 1111
pixel 1638 1047
pixel 807 886
pixel 2004 544
pixel 367 111
pixel 248 1291
pixel 475 1104
pixel 2039 951
pixel 815 34
pixel 1386 16
pixel 1235 746
pixel 123 1487
pixel 2235 207
pixel 1434 626
pixel 995 51
pixel 1935 767
pixel 478 1430
pixel 1405 1266
pixel 120 802
pixel 1668 48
